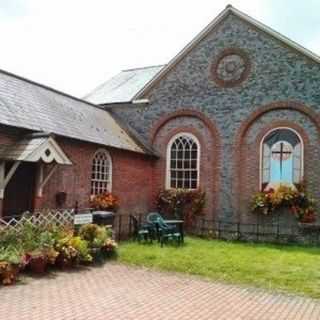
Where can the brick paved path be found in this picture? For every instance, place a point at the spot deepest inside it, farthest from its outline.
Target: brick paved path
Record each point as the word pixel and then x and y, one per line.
pixel 120 292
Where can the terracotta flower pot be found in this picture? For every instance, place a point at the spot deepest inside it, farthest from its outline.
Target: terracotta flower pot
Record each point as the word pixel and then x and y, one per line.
pixel 8 273
pixel 38 264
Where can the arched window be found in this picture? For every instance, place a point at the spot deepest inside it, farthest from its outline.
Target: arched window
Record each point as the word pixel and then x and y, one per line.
pixel 183 161
pixel 282 157
pixel 101 174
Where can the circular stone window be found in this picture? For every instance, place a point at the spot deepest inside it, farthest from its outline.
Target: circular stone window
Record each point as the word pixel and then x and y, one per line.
pixel 231 68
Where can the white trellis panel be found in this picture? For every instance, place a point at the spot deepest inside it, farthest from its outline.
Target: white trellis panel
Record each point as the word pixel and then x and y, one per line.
pixel 40 218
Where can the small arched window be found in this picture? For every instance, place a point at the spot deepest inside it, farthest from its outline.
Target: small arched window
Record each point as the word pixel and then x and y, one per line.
pixel 282 157
pixel 183 162
pixel 101 173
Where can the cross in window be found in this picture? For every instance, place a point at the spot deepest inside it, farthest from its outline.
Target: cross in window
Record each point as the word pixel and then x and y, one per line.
pixel 282 153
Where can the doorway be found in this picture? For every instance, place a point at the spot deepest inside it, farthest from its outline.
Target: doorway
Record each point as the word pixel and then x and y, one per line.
pixel 19 193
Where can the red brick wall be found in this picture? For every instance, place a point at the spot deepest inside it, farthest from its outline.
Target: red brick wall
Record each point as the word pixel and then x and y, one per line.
pixel 131 179
pixel 247 149
pixel 197 124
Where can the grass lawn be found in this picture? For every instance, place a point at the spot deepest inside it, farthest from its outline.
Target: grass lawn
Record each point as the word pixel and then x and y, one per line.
pixel 286 268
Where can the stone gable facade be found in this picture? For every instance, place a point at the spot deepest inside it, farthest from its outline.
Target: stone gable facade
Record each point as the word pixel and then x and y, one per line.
pixel 281 89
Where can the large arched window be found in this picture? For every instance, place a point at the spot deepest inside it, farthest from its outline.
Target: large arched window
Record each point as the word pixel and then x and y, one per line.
pixel 101 174
pixel 183 162
pixel 282 157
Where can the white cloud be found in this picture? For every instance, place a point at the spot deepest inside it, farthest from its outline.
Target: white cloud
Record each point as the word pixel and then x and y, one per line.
pixel 74 45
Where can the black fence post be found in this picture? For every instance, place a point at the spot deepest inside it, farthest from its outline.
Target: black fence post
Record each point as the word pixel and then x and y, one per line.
pixel 139 218
pixel 130 227
pixel 119 228
pixel 202 226
pixel 218 230
pixel 238 230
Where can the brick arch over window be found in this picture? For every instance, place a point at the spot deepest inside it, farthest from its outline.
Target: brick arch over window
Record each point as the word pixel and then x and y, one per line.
pixel 282 125
pixel 205 131
pixel 187 113
pixel 241 149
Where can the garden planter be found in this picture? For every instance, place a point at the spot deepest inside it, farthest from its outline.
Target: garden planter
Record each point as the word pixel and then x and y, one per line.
pixel 38 265
pixel 64 263
pixel 96 253
pixel 308 219
pixel 8 273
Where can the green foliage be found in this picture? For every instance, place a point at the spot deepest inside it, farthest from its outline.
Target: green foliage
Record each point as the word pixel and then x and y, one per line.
pixel 8 238
pixel 301 205
pixel 277 267
pixel 94 234
pixel 183 204
pixel 53 244
pixel 11 255
pixel 82 247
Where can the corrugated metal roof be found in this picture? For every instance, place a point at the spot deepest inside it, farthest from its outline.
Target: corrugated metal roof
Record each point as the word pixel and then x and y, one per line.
pixel 29 105
pixel 122 87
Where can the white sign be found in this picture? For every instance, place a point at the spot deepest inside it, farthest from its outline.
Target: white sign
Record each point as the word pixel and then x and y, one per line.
pixel 83 218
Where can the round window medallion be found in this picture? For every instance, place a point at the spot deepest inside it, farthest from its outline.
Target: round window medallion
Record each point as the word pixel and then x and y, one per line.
pixel 231 68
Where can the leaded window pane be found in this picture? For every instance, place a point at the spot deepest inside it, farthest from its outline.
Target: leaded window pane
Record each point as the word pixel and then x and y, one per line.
pixel 183 162
pixel 101 172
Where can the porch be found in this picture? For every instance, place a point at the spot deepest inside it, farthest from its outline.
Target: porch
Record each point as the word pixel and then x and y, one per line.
pixel 25 169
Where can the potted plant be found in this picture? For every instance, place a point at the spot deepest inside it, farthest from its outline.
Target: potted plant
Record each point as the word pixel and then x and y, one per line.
pixel 37 261
pixel 61 198
pixel 82 248
pixel 109 248
pixel 96 237
pixel 105 201
pixel 51 255
pixel 67 254
pixel 10 263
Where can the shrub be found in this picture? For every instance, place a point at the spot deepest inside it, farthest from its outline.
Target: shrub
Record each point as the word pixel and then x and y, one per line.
pixel 94 234
pixel 183 204
pixel 82 247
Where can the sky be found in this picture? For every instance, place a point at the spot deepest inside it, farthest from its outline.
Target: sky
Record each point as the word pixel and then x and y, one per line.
pixel 75 45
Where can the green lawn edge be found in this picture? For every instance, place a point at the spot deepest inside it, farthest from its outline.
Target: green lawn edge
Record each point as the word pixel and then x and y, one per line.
pixel 282 268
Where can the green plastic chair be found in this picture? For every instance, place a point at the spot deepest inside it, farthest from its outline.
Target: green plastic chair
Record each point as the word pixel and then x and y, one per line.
pixel 141 232
pixel 168 232
pixel 159 224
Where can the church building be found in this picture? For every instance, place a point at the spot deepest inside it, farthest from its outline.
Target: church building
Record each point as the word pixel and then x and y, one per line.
pixel 236 111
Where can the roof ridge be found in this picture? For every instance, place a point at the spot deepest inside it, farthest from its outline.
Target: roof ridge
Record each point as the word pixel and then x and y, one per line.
pixel 229 9
pixel 147 67
pixel 10 74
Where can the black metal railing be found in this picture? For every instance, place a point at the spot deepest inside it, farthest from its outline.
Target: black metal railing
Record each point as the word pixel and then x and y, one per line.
pixel 281 233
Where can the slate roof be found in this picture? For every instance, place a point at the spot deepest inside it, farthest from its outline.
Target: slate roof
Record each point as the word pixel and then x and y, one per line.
pixel 29 105
pixel 122 87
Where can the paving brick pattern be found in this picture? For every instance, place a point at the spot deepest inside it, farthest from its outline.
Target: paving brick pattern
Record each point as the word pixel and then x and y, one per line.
pixel 119 292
